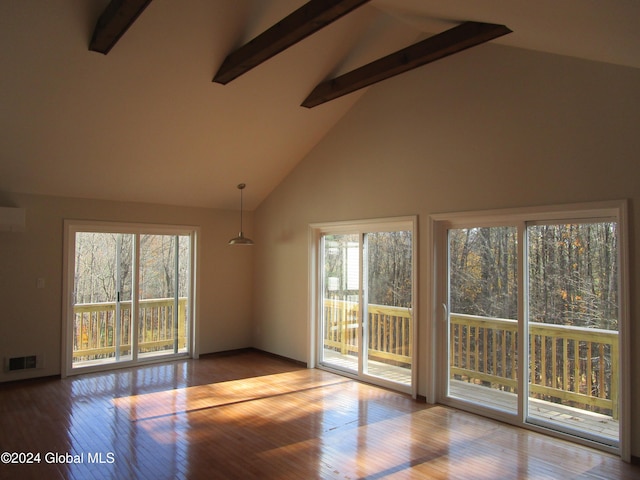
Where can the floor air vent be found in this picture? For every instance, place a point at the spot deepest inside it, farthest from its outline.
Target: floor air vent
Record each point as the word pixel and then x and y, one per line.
pixel 23 363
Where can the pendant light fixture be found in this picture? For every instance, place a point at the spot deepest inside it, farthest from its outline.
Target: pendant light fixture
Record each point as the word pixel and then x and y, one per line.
pixel 241 239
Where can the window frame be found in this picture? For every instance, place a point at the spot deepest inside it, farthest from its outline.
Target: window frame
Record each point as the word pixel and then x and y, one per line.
pixel 521 217
pixel 71 227
pixel 360 227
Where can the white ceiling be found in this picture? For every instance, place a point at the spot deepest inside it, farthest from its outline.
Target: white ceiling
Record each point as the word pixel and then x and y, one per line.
pixel 146 123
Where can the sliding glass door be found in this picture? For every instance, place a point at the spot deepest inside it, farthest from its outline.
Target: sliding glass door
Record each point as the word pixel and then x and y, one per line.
pixel 365 320
pixel 163 292
pixel 573 329
pixel 387 305
pixel 341 294
pixel 102 298
pixel 532 320
pixel 131 294
pixel 483 316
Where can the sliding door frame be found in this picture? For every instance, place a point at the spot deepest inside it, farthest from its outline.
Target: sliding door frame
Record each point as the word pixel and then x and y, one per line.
pixel 439 224
pixel 71 227
pixel 360 227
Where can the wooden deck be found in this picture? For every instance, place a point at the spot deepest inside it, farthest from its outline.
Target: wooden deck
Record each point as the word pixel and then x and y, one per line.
pixel 376 369
pixel 568 417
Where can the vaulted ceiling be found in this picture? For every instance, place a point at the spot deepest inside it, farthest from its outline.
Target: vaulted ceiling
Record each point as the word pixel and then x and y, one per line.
pixel 146 123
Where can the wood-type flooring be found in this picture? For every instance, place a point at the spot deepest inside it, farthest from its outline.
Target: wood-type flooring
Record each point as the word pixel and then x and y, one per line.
pixel 253 416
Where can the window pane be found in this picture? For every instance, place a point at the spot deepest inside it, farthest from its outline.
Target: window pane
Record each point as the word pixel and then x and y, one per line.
pixel 162 311
pixel 483 308
pixel 573 326
pixel 102 298
pixel 389 305
pixel 341 292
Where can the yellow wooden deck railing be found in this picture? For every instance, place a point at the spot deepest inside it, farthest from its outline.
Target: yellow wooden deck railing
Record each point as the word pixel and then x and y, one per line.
pixel 572 365
pixel 95 328
pixel 390 331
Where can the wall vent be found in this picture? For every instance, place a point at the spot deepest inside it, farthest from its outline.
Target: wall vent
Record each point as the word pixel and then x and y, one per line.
pixel 27 362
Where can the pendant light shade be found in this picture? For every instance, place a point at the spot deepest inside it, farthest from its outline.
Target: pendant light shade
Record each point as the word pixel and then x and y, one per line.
pixel 241 239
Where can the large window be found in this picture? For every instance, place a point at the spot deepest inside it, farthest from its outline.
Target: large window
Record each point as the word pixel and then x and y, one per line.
pixel 534 325
pixel 364 300
pixel 130 294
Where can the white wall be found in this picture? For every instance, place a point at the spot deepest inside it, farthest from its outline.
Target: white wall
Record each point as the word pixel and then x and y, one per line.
pixel 492 127
pixel 31 318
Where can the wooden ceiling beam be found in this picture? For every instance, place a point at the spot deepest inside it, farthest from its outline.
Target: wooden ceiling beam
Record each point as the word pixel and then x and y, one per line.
pixel 454 40
pixel 114 22
pixel 309 18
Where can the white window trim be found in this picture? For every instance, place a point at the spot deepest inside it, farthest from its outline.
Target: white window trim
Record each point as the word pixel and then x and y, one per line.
pixel 71 227
pixel 439 223
pixel 316 230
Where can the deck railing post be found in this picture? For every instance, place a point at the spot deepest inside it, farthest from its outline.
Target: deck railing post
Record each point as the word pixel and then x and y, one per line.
pixel 182 319
pixel 581 383
pixel 343 329
pixel 388 324
pixel 92 324
pixel 614 382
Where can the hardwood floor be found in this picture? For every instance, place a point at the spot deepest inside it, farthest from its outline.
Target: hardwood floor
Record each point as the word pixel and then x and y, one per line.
pixel 252 416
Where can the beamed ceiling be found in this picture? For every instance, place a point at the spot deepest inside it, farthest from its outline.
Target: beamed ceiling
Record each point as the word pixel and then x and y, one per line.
pixel 176 102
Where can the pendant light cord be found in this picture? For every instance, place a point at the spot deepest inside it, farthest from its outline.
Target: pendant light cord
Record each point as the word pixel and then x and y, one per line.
pixel 241 188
